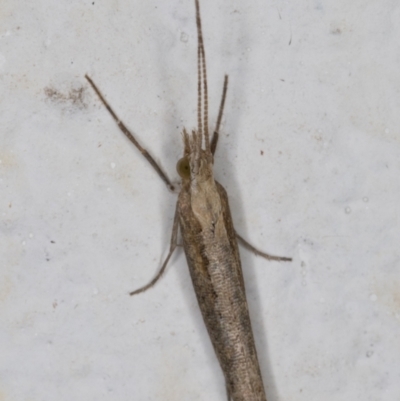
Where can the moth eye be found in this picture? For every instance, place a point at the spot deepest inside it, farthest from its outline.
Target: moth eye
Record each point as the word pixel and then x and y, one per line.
pixel 183 167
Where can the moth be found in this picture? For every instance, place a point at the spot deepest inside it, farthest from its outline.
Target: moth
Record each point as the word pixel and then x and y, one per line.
pixel 210 243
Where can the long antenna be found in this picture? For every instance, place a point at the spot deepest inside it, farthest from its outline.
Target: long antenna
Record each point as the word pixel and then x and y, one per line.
pixel 202 79
pixel 199 88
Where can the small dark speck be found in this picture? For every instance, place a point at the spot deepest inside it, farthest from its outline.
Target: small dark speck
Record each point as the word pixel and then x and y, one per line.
pixel 75 96
pixel 48 259
pixel 336 31
pixel 53 242
pixel 93 4
pixel 261 152
pixel 282 80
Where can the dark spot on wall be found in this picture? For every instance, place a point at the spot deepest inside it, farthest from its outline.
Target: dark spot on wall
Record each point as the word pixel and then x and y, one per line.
pixel 67 98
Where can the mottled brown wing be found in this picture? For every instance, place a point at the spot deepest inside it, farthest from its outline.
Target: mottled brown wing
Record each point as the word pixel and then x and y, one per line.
pixel 218 283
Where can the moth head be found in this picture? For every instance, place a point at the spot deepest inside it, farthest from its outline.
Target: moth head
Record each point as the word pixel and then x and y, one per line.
pixel 196 163
pixel 183 168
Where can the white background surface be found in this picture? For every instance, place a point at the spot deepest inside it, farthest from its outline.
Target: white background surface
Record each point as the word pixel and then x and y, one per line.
pixel 314 86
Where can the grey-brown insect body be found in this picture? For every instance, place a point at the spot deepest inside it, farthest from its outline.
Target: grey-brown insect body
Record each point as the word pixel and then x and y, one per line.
pixel 212 255
pixel 210 244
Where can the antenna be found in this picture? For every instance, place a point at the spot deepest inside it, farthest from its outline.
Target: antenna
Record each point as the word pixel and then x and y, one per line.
pixel 202 90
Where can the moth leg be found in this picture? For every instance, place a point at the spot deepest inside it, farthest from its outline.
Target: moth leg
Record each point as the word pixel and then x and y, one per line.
pixel 129 135
pixel 214 139
pixel 259 253
pixel 173 245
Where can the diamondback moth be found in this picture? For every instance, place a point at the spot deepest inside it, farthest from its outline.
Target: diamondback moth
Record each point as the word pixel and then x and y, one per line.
pixel 210 243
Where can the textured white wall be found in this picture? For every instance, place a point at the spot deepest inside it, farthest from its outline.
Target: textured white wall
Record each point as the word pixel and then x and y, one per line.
pixel 310 156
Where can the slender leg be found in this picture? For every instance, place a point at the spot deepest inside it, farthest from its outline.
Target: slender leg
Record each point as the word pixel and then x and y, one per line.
pixel 173 245
pixel 129 135
pixel 259 253
pixel 214 139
